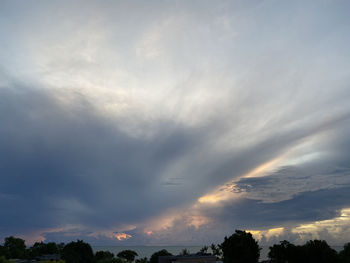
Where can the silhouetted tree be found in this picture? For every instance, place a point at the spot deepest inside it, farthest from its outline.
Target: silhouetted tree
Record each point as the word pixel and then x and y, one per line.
pixel 204 250
pixel 185 252
pixel 284 252
pixel 4 252
pixel 300 255
pixel 4 260
pixel 103 256
pixel 344 255
pixel 15 246
pixel 41 248
pixel 216 250
pixel 78 252
pixel 127 255
pixel 156 255
pixel 240 247
pixel 141 260
pixel 318 251
pixel 60 247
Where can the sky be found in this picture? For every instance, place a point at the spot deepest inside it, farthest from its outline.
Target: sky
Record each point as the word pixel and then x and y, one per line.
pixel 174 122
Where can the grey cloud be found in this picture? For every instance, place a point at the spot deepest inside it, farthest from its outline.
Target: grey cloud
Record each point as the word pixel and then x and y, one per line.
pixel 288 182
pixel 249 214
pixel 67 165
pixel 291 196
pixel 283 76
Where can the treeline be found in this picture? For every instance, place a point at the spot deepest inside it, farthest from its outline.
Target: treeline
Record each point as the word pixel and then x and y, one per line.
pixel 73 252
pixel 240 247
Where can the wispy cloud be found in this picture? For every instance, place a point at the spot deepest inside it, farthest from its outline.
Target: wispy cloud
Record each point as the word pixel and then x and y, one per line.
pixel 172 123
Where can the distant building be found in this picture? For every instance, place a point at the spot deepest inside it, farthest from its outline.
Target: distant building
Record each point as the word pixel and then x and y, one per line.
pixel 193 258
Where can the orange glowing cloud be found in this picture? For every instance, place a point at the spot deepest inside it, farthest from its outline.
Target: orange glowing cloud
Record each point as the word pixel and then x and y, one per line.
pixel 268 233
pixel 122 236
pixel 259 171
pixel 211 199
pixel 334 226
pixel 39 235
pixel 224 192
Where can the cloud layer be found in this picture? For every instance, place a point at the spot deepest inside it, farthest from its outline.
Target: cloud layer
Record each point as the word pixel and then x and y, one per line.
pixel 173 123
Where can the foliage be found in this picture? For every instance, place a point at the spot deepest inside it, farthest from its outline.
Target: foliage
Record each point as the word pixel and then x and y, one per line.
pixel 4 252
pixel 15 246
pixel 319 251
pixel 142 260
pixel 111 260
pixel 78 252
pixel 160 253
pixel 313 251
pixel 4 260
pixel 185 252
pixel 283 253
pixel 240 247
pixel 344 255
pixel 40 248
pixel 103 256
pixel 60 247
pixel 117 260
pixel 127 255
pixel 216 250
pixel 203 250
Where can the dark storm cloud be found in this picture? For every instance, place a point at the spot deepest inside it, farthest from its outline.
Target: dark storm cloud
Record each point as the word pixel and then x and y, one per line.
pixel 61 165
pixel 305 207
pixel 288 182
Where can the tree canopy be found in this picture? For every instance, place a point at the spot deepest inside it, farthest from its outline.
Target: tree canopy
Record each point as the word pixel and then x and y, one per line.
pixel 318 251
pixel 4 252
pixel 156 255
pixel 313 251
pixel 15 247
pixel 141 260
pixel 78 252
pixel 284 252
pixel 240 247
pixel 185 252
pixel 127 255
pixel 103 256
pixel 216 250
pixel 41 248
pixel 344 255
pixel 203 250
pixel 4 260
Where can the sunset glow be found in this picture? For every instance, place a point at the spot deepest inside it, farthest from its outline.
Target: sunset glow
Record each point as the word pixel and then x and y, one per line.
pixel 122 236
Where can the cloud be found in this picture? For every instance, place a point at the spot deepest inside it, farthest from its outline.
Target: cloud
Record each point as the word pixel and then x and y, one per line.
pixel 288 182
pixel 69 165
pixel 184 121
pixel 312 192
